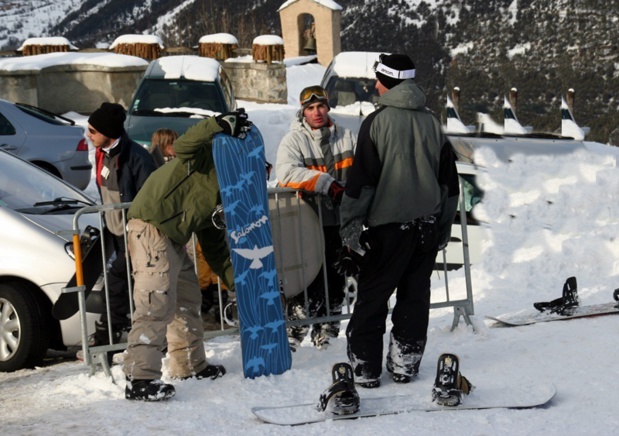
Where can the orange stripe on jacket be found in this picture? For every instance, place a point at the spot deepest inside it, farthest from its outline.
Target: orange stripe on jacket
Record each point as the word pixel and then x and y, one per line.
pixel 308 185
pixel 343 164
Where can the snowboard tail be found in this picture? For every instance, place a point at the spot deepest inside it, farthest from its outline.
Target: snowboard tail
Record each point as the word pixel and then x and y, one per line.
pixel 563 308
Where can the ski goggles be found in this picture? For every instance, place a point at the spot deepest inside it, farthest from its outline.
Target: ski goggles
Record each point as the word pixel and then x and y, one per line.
pixel 379 67
pixel 313 93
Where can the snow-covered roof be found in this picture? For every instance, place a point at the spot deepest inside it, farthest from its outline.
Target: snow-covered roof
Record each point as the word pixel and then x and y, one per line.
pixel 268 40
pixel 220 38
pixel 189 67
pixel 355 64
pixel 52 40
pixel 326 3
pixel 137 39
pixel 38 62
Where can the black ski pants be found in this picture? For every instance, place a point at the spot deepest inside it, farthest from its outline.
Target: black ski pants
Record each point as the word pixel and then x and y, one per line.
pixel 402 257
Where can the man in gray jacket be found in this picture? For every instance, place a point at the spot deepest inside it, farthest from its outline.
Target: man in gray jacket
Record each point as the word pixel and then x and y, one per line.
pixel 396 213
pixel 315 156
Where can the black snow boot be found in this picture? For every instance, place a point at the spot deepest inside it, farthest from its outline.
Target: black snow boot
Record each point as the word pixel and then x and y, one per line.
pixel 565 304
pixel 148 390
pixel 211 371
pixel 449 385
pixel 341 398
pixel 403 360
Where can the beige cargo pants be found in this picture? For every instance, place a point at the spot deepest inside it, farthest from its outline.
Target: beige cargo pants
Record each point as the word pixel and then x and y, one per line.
pixel 167 304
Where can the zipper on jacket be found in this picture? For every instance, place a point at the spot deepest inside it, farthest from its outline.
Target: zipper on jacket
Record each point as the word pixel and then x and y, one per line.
pixel 183 213
pixel 180 182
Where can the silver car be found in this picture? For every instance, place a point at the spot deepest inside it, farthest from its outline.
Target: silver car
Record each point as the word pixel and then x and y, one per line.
pixel 36 261
pixel 49 141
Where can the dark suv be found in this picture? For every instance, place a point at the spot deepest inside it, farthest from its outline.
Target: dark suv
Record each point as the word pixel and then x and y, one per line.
pixel 175 93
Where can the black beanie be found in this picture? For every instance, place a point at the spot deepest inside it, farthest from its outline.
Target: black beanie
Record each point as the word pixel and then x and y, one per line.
pixel 108 120
pixel 399 67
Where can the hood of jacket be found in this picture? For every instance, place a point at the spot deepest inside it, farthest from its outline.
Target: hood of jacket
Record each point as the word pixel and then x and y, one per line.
pixel 406 95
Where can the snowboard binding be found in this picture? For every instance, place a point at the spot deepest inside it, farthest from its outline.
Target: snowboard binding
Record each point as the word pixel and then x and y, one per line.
pixel 564 305
pixel 341 398
pixel 449 385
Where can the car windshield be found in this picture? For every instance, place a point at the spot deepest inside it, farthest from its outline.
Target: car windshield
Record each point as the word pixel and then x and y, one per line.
pixel 158 97
pixel 28 189
pixel 344 91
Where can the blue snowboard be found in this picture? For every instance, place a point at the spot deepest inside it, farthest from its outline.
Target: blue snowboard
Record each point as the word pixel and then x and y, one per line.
pixel 241 174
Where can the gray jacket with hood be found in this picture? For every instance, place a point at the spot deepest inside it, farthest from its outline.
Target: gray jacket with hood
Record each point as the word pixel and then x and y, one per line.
pixel 404 168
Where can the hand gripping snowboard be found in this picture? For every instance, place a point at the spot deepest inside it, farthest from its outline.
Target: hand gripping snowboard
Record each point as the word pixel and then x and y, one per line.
pixel 565 307
pixel 240 164
pixel 342 402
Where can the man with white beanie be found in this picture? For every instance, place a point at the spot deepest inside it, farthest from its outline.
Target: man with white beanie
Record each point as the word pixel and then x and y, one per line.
pixel 396 213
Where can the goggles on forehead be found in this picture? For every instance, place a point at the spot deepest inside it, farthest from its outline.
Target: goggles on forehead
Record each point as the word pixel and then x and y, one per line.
pixel 379 67
pixel 311 93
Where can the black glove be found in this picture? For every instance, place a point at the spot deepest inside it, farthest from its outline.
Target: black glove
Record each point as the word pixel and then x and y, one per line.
pixel 234 123
pixel 336 191
pixel 348 262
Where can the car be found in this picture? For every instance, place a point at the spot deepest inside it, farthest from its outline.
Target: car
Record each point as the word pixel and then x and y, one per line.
pixel 37 261
pixel 350 83
pixel 175 93
pixel 48 140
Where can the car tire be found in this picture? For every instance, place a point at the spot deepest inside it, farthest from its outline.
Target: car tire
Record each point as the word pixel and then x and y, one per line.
pixel 23 337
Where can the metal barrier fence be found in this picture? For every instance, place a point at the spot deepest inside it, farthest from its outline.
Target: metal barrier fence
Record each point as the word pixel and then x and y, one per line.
pixel 299 257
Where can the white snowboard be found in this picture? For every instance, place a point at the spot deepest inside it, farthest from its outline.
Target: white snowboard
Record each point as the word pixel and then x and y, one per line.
pixel 532 316
pixel 482 397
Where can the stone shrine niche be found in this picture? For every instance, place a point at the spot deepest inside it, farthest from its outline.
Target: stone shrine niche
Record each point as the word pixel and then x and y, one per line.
pixel 311 27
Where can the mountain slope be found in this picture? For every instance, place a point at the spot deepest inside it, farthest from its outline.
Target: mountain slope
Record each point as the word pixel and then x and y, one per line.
pixel 541 47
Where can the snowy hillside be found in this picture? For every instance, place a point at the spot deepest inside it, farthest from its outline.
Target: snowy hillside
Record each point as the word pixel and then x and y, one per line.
pixel 541 47
pixel 20 20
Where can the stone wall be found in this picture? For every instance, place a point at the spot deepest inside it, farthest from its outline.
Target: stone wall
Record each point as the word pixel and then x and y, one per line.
pixel 63 88
pixel 260 82
pixel 83 87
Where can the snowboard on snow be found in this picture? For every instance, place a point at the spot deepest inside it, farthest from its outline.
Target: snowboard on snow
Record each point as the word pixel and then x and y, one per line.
pixel 240 164
pixel 482 397
pixel 531 316
pixel 67 304
pixel 565 307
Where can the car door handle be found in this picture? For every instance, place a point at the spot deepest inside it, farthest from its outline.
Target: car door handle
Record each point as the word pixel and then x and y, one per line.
pixel 8 147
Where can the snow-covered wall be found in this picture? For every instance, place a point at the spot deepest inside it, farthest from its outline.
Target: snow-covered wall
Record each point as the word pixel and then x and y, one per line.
pixel 63 82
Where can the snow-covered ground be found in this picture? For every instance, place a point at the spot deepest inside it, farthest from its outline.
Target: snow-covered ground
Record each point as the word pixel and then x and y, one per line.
pixel 550 217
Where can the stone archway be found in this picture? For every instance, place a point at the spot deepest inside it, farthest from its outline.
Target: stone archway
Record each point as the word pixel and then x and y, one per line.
pixel 297 27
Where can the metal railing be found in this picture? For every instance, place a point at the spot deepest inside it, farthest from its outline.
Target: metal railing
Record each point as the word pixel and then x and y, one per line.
pixel 292 268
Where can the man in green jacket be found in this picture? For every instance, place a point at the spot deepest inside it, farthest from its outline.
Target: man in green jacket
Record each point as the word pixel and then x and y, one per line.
pixel 176 201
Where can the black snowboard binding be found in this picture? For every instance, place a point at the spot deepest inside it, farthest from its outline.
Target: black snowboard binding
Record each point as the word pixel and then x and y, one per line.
pixel 341 398
pixel 564 305
pixel 449 385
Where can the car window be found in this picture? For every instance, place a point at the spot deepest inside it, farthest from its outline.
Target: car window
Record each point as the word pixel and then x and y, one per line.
pixel 156 94
pixel 22 186
pixel 344 91
pixel 227 90
pixel 6 128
